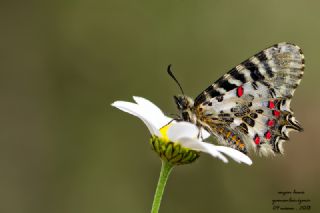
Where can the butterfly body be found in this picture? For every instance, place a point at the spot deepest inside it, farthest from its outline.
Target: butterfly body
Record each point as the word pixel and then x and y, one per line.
pixel 249 107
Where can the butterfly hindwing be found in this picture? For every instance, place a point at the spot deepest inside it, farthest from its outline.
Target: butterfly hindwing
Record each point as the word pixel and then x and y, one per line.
pixel 252 100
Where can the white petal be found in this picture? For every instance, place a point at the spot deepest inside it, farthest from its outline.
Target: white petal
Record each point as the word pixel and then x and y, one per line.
pixel 152 110
pixel 202 147
pixel 215 151
pixel 182 130
pixel 136 110
pixel 234 154
pixel 204 133
pixel 147 105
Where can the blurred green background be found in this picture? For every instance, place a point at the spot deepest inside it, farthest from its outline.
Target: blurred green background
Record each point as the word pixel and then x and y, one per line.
pixel 65 149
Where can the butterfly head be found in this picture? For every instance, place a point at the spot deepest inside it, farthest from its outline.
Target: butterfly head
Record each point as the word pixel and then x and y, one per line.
pixel 185 106
pixel 184 103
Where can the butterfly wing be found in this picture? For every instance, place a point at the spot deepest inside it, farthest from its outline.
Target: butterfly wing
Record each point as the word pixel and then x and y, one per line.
pixel 251 103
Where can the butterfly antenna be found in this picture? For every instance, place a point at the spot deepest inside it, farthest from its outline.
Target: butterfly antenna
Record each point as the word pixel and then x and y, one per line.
pixel 174 78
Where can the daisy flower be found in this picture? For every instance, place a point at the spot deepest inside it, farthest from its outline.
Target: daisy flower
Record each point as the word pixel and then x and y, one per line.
pixel 175 142
pixel 167 135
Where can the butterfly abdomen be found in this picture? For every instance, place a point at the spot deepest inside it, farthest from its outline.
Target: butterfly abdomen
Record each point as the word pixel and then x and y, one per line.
pixel 231 138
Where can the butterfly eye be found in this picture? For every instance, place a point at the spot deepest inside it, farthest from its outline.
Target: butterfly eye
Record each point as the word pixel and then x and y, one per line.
pixel 178 102
pixel 181 102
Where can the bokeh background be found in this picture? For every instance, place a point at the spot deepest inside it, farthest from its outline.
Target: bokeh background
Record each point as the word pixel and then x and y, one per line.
pixel 64 149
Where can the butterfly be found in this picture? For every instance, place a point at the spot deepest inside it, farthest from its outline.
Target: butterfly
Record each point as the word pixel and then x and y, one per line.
pixel 248 108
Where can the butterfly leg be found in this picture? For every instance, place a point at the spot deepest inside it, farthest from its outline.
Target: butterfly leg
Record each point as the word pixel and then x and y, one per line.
pixel 200 135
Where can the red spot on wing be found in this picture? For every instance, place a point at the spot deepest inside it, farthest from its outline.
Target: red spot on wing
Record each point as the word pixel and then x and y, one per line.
pixel 257 140
pixel 271 104
pixel 239 91
pixel 276 113
pixel 268 135
pixel 270 122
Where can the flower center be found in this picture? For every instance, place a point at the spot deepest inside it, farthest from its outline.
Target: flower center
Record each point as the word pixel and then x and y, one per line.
pixel 164 132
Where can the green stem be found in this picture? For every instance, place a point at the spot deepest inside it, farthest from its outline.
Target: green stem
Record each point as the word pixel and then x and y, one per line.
pixel 164 174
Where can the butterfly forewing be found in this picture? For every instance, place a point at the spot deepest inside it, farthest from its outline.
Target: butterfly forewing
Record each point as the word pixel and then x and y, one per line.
pixel 249 107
